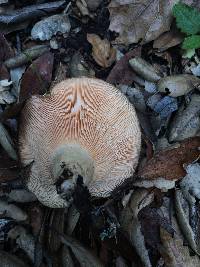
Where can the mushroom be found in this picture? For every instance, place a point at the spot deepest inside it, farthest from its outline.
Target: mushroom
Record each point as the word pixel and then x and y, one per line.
pixel 85 127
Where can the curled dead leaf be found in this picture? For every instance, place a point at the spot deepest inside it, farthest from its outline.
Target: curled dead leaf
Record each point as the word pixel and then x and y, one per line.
pixel 186 122
pixel 102 51
pixel 144 69
pixel 131 225
pixel 183 217
pixel 178 85
pixel 26 56
pixel 173 158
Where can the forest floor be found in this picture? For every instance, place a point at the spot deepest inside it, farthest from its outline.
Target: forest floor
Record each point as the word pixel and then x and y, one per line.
pixel 150 51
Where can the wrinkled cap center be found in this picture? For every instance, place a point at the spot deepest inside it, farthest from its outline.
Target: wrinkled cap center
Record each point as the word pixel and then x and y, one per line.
pixel 73 159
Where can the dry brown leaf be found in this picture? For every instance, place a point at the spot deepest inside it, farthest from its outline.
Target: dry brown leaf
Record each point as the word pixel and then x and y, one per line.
pixel 5 49
pixel 8 168
pixel 7 142
pixel 184 218
pixel 24 240
pixel 168 39
pixel 83 255
pixel 186 122
pixel 67 260
pixel 103 53
pixel 5 53
pixel 36 215
pixel 174 253
pixel 12 211
pixel 131 225
pixel 37 77
pixel 56 221
pixel 9 260
pixel 141 19
pixel 122 73
pixel 169 163
pixel 178 85
pixel 190 184
pixel 145 69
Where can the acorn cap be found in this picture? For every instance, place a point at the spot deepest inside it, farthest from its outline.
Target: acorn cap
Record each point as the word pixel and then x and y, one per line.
pixel 86 126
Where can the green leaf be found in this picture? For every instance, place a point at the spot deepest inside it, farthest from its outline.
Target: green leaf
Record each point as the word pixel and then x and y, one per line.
pixel 189 53
pixel 191 42
pixel 187 18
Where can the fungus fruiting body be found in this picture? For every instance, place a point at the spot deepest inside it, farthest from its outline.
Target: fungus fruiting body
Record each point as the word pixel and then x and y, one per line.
pixel 85 126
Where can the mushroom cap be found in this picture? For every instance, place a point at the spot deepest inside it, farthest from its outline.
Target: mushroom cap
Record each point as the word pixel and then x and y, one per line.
pixel 90 113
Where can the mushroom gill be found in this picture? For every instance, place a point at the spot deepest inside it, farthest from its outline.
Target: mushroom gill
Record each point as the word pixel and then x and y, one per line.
pixel 86 126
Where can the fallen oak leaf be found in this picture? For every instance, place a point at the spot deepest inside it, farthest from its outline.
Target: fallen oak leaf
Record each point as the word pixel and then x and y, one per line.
pixel 103 53
pixel 168 163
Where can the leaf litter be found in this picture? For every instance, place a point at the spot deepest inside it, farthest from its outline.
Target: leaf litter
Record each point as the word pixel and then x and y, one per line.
pixel 153 218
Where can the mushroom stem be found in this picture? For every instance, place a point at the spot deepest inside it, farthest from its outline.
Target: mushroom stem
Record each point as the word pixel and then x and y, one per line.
pixel 74 158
